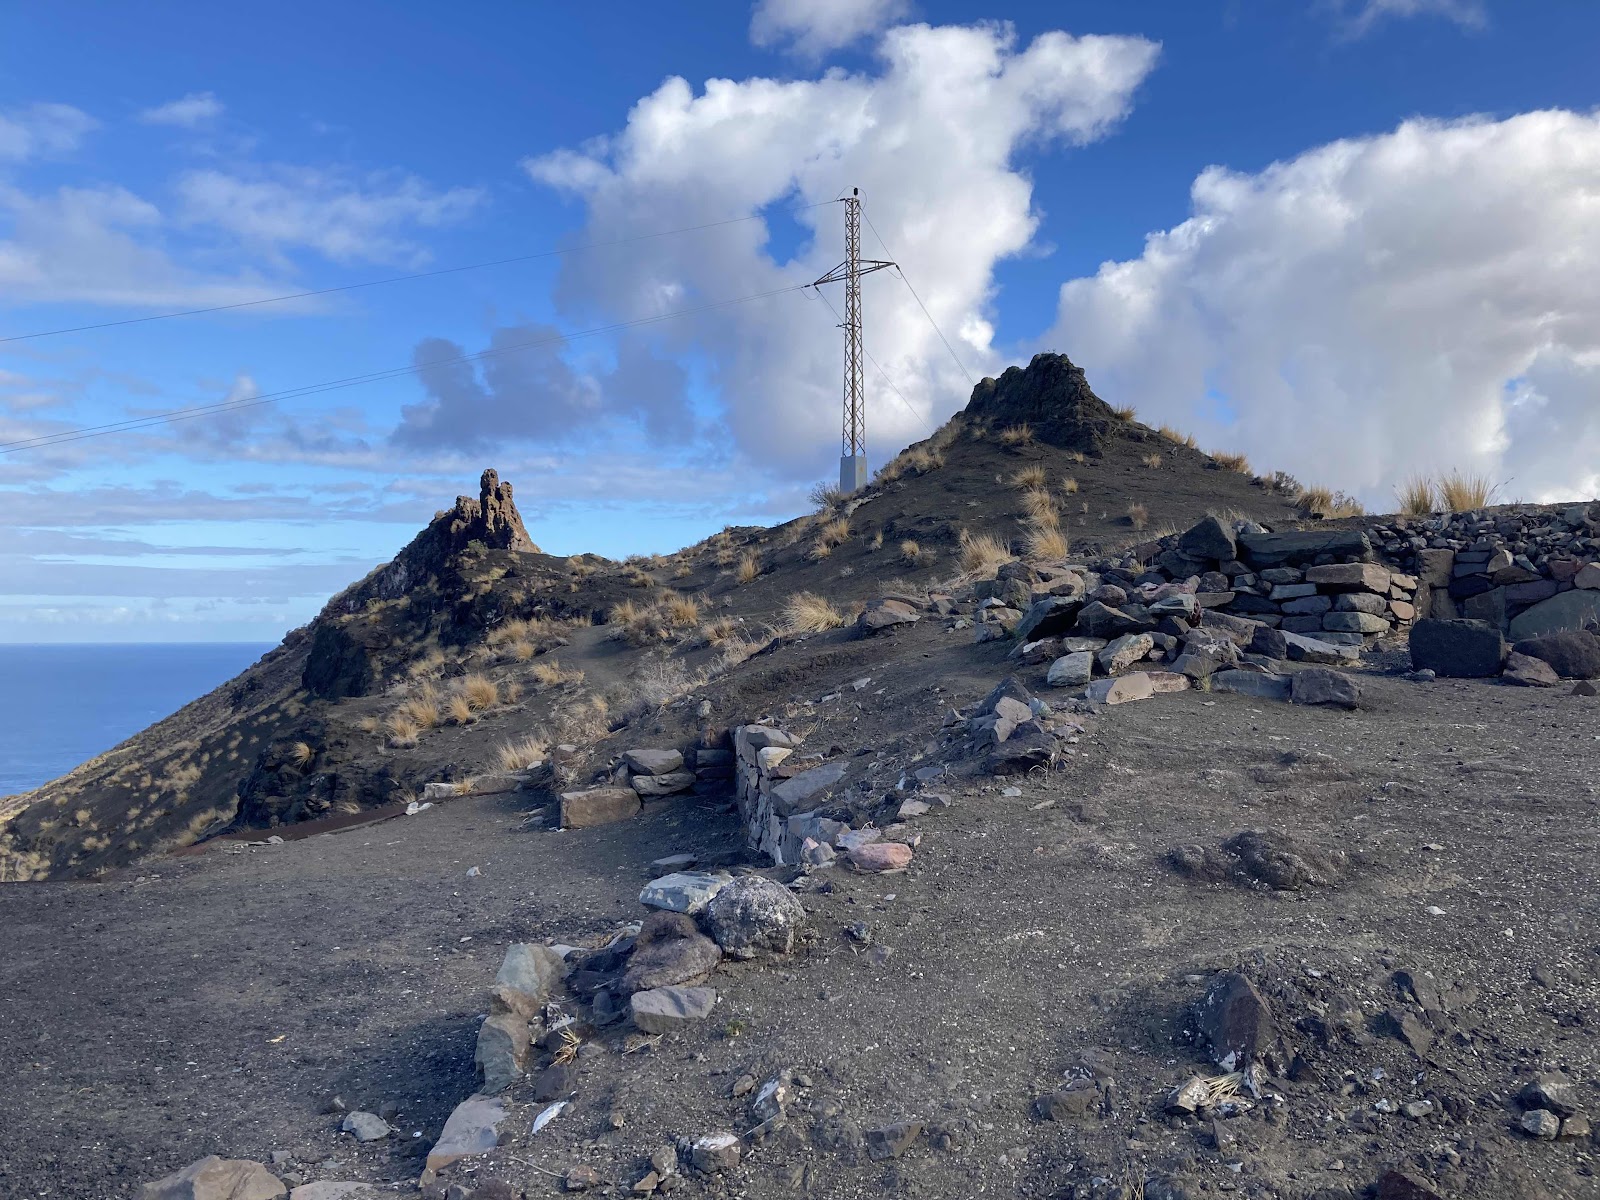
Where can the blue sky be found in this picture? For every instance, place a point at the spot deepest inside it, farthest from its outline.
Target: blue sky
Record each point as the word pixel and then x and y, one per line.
pixel 1354 239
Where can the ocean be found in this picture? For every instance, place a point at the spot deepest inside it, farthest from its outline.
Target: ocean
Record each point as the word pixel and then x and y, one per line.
pixel 62 705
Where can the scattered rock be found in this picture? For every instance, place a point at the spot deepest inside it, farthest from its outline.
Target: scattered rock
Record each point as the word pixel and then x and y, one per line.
pixel 878 857
pixel 1284 862
pixel 683 891
pixel 1457 649
pixel 523 983
pixel 369 1127
pixel 1126 650
pixel 1318 685
pixel 1564 611
pixel 1077 1098
pixel 669 950
pixel 472 1128
pixel 1234 1021
pixel 715 1153
pixel 1404 1185
pixel 1552 1090
pixel 213 1178
pixel 753 914
pixel 1124 689
pixel 653 762
pixel 1576 1127
pixel 1211 539
pixel 598 806
pixel 892 1141
pixel 331 1190
pixel 1524 671
pixel 663 785
pixel 1071 670
pixel 1541 1123
pixel 1573 654
pixel 501 1058
pixel 661 1010
pixel 581 1179
pixel 1251 683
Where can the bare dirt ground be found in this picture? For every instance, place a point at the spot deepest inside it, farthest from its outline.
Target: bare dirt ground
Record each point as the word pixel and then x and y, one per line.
pixel 211 1004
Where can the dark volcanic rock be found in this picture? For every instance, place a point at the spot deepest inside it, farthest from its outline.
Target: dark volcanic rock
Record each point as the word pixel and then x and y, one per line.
pixel 1211 539
pixel 1276 549
pixel 1458 649
pixel 1284 862
pixel 1319 685
pixel 1052 396
pixel 1234 1021
pixel 1574 654
pixel 670 950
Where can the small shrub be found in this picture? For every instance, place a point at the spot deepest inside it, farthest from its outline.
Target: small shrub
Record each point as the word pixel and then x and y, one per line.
pixel 825 496
pixel 1418 496
pixel 1017 435
pixel 807 612
pixel 749 567
pixel 1125 413
pixel 1232 462
pixel 369 724
pixel 1152 461
pixel 1029 478
pixel 877 541
pixel 519 754
pixel 1323 502
pixel 1138 516
pixel 421 711
pixel 1464 492
pixel 634 577
pixel 1069 485
pixel 982 553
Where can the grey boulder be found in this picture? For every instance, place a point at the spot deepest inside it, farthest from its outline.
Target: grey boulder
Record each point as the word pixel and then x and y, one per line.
pixel 753 914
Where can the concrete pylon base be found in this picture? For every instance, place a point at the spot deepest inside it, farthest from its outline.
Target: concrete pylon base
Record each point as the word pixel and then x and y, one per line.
pixel 852 473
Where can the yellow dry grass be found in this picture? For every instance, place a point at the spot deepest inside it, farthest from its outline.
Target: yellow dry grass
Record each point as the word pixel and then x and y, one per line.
pixel 1152 461
pixel 480 691
pixel 835 532
pixel 807 612
pixel 682 611
pixel 1125 412
pixel 519 754
pixel 982 553
pixel 458 710
pixel 1016 435
pixel 718 630
pixel 1418 496
pixel 301 754
pixel 1462 491
pixel 1069 485
pixel 403 731
pixel 913 555
pixel 749 567
pixel 1138 516
pixel 1029 478
pixel 1038 505
pixel 550 673
pixel 1232 462
pixel 1045 542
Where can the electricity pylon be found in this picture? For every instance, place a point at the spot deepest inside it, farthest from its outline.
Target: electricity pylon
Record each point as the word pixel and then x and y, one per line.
pixel 853 456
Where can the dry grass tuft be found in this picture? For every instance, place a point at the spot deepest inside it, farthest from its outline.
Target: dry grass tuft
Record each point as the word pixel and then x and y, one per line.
pixel 914 555
pixel 807 612
pixel 1232 462
pixel 1029 478
pixel 403 731
pixel 1017 435
pixel 819 550
pixel 1069 486
pixel 480 691
pixel 519 754
pixel 1078 456
pixel 1039 505
pixel 682 612
pixel 301 754
pixel 1152 461
pixel 1138 516
pixel 1126 412
pixel 1463 492
pixel 634 577
pixel 1418 496
pixel 877 541
pixel 1328 504
pixel 982 553
pixel 549 674
pixel 749 567
pixel 718 630
pixel 458 710
pixel 835 532
pixel 1045 542
pixel 1182 439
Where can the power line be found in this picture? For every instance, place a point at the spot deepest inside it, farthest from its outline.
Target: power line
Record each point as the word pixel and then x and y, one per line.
pixel 132 424
pixel 908 406
pixel 901 272
pixel 434 274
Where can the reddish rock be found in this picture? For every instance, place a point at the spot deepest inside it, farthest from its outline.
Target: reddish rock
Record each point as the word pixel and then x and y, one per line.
pixel 881 856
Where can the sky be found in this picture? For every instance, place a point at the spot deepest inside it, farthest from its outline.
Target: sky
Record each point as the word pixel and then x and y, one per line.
pixel 1354 239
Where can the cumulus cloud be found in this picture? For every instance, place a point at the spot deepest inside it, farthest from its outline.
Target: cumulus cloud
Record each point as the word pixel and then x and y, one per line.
pixel 41 129
pixel 347 219
pixel 193 111
pixel 1364 14
pixel 814 27
pixel 932 138
pixel 1424 299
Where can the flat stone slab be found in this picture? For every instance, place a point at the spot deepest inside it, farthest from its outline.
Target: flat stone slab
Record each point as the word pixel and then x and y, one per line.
pixel 653 762
pixel 1124 689
pixel 472 1128
pixel 661 1010
pixel 683 891
pixel 328 1189
pixel 663 785
pixel 598 806
pixel 795 794
pixel 1568 610
pixel 1251 683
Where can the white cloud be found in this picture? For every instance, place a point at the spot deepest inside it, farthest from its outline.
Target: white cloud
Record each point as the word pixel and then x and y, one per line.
pixel 41 129
pixel 190 112
pixel 1470 13
pixel 1423 299
pixel 343 218
pixel 814 27
pixel 931 140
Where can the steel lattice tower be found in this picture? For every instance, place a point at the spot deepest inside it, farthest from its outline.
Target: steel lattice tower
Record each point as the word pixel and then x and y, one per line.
pixel 853 452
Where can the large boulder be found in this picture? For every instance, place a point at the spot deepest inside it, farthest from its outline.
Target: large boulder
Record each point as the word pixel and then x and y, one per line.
pixel 1458 649
pixel 1319 685
pixel 1211 539
pixel 1574 654
pixel 1236 1024
pixel 1565 611
pixel 753 914
pixel 1047 617
pixel 669 950
pixel 214 1178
